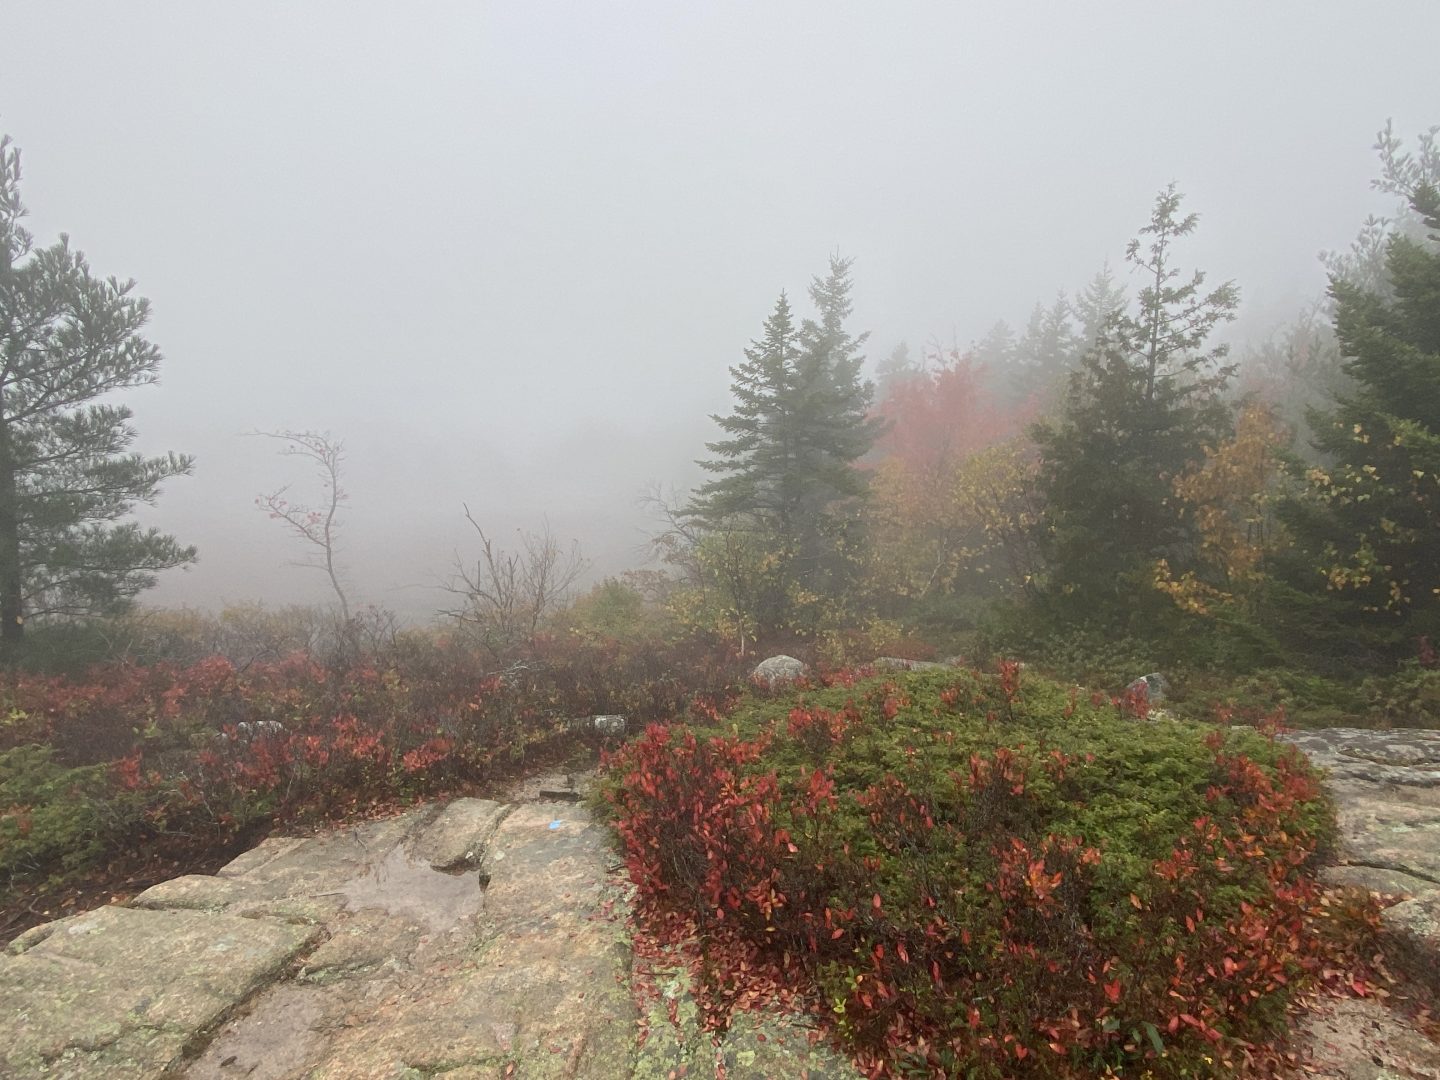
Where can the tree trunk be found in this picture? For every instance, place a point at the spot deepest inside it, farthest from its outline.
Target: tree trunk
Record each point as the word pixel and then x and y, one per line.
pixel 12 611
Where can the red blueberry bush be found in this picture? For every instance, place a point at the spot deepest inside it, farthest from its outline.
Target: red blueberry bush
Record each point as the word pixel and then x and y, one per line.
pixel 172 766
pixel 974 877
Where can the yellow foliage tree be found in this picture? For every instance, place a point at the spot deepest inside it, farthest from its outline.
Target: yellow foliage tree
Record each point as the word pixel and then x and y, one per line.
pixel 950 524
pixel 1229 496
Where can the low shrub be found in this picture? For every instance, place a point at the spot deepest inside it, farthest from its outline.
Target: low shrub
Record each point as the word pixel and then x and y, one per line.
pixel 1306 699
pixel 984 876
pixel 1091 654
pixel 190 761
pixel 52 818
pixel 101 773
pixel 1408 699
pixel 864 642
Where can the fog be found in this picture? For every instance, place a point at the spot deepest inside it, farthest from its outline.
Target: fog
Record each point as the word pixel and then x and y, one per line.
pixel 507 252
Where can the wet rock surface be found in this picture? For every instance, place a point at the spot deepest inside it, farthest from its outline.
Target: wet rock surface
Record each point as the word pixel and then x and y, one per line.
pixel 119 992
pixel 1362 1039
pixel 898 663
pixel 472 940
pixel 364 952
pixel 1386 787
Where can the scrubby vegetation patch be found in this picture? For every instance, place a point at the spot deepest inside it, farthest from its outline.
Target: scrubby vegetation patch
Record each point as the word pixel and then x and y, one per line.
pixel 993 875
pixel 133 773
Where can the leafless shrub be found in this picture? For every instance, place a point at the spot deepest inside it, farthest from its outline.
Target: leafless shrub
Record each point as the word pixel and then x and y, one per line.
pixel 503 595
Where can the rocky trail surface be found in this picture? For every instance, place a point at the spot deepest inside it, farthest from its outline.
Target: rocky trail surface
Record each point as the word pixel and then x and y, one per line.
pixel 480 940
pixel 472 940
pixel 1386 786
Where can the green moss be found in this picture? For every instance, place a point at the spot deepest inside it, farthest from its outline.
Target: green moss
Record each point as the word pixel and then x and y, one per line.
pixel 1147 779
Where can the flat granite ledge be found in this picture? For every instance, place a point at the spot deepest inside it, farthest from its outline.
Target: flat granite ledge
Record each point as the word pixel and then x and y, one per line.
pixel 123 992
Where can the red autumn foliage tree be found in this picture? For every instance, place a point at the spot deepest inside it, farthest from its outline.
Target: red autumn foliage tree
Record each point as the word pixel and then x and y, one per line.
pixel 941 415
pixel 950 498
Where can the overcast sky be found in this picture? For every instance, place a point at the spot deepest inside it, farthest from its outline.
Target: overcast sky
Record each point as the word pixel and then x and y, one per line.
pixel 507 251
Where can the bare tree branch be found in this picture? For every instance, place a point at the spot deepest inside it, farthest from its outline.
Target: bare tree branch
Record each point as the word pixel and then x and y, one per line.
pixel 503 595
pixel 316 527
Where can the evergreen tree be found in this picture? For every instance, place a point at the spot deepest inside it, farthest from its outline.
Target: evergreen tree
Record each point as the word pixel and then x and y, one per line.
pixel 834 426
pixel 996 350
pixel 1143 404
pixel 1101 301
pixel 66 478
pixel 1367 522
pixel 1048 343
pixel 896 368
pixel 1047 349
pixel 1402 173
pixel 1300 368
pixel 759 454
pixel 800 423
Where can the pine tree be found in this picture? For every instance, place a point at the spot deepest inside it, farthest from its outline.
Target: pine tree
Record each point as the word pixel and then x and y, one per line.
pixel 66 478
pixel 1143 404
pixel 1048 343
pixel 800 423
pixel 1367 522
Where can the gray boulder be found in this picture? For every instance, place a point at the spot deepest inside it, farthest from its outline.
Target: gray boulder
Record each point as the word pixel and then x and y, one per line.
pixel 1154 686
pixel 779 670
pixel 610 725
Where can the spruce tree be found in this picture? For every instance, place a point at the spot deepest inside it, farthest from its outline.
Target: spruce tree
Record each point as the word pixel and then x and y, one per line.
pixel 799 425
pixel 67 479
pixel 896 368
pixel 996 350
pixel 1097 305
pixel 1366 523
pixel 1045 352
pixel 1143 403
pixel 758 456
